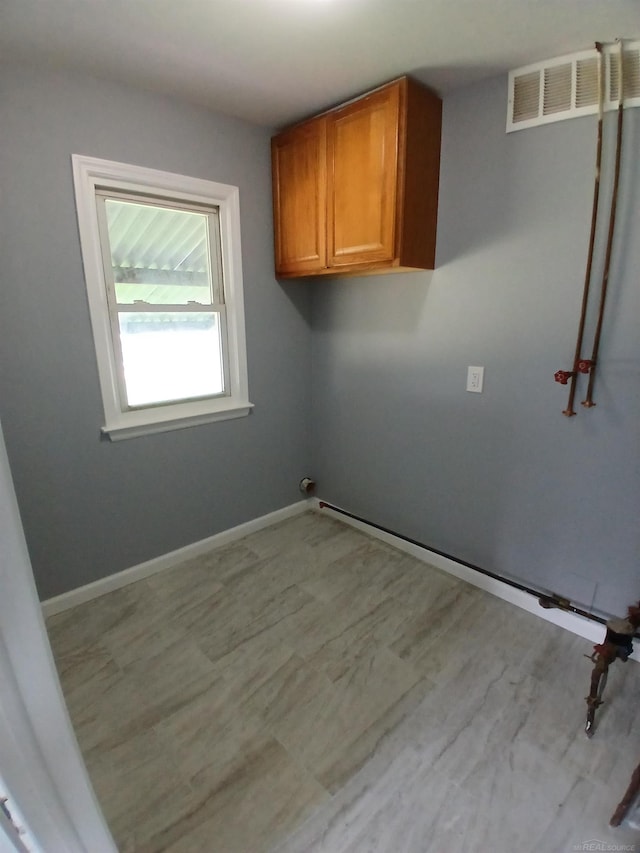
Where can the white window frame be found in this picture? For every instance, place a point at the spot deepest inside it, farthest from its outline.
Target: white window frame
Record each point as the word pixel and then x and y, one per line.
pixel 92 175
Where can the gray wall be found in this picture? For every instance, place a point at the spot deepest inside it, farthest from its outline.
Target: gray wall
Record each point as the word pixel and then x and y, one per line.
pixel 500 479
pixel 90 507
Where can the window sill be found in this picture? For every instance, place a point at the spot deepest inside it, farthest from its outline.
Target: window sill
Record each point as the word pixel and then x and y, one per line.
pixel 136 424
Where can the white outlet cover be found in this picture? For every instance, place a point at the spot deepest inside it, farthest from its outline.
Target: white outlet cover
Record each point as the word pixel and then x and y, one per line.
pixel 475 379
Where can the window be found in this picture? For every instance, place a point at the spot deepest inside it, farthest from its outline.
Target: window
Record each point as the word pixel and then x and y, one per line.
pixel 162 265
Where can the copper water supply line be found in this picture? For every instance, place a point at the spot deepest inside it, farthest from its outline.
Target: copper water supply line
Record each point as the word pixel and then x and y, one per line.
pixel 563 376
pixel 629 796
pixel 590 365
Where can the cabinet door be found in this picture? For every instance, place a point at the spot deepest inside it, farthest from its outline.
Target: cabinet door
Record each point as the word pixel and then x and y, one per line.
pixel 362 151
pixel 299 163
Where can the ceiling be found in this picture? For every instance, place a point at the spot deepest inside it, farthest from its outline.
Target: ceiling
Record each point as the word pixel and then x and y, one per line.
pixel 275 61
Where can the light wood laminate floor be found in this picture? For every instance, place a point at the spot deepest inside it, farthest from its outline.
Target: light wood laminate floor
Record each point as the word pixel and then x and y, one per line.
pixel 311 690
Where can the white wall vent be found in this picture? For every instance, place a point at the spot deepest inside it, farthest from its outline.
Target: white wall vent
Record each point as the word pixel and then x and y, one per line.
pixel 567 86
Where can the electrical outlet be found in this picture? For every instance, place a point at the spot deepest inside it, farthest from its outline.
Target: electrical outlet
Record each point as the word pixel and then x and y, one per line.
pixel 475 379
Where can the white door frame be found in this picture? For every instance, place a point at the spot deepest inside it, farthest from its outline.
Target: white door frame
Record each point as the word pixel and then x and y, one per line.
pixel 40 761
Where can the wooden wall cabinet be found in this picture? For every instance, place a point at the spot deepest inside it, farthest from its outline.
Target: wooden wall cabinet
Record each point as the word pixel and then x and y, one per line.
pixel 355 190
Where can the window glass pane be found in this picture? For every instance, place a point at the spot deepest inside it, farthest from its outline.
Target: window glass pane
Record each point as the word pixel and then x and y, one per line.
pixel 171 356
pixel 159 255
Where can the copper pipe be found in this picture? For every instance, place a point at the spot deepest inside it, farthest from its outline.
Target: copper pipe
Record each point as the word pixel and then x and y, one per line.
pixel 634 785
pixel 617 645
pixel 588 401
pixel 629 796
pixel 602 658
pixel 569 411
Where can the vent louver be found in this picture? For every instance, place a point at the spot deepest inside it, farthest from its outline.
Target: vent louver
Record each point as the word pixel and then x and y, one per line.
pixel 631 72
pixel 586 82
pixel 557 89
pixel 526 103
pixel 567 86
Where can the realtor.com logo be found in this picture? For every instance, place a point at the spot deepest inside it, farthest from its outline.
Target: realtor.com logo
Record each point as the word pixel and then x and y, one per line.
pixel 604 847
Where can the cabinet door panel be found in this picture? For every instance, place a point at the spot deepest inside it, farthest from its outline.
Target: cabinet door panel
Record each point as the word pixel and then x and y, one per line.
pixel 299 198
pixel 362 151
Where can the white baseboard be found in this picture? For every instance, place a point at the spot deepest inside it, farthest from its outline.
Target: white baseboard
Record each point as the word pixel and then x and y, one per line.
pixel 569 621
pixel 144 570
pixel 501 589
